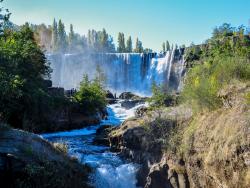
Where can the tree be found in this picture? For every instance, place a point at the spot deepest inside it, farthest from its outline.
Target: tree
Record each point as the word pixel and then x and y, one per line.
pixel 167 46
pixel 62 37
pixel 72 38
pixel 121 43
pixel 4 18
pixel 163 47
pixel 138 46
pixel 91 95
pixel 54 36
pixel 104 40
pixel 23 68
pixel 129 47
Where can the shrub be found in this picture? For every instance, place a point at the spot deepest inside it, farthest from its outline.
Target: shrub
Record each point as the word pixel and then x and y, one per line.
pixel 160 96
pixel 91 95
pixel 204 81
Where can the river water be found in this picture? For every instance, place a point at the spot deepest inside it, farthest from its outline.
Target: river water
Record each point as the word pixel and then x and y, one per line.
pixel 110 171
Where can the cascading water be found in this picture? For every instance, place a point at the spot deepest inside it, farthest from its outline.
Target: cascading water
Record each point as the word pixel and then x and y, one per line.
pixel 110 171
pixel 132 72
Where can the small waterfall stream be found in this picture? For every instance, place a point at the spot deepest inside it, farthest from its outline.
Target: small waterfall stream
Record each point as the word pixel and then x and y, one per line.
pixel 110 171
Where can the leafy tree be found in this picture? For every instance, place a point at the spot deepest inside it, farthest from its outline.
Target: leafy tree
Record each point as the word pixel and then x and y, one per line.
pixel 121 43
pixel 91 95
pixel 160 96
pixel 23 67
pixel 129 47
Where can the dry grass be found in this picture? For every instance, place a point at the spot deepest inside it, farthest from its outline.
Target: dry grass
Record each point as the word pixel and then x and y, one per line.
pixel 61 147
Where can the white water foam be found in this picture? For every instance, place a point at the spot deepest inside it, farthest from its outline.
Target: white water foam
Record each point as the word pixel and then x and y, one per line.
pixel 110 171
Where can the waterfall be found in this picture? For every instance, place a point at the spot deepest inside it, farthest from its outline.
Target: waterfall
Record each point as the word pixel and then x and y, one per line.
pixel 132 72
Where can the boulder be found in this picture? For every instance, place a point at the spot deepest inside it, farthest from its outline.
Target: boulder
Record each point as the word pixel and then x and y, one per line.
pixel 27 160
pixel 102 133
pixel 109 95
pixel 128 95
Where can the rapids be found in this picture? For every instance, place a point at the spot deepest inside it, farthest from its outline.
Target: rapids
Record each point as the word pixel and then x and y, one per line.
pixel 110 171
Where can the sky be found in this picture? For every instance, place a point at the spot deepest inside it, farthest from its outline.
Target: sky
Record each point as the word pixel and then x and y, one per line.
pixel 152 21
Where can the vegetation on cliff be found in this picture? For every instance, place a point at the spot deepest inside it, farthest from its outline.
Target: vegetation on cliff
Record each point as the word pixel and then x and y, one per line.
pixel 224 59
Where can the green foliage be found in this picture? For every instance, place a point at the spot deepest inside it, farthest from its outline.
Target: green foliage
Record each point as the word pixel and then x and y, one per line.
pixel 223 59
pixel 138 46
pixel 129 47
pixel 4 17
pixel 160 96
pixel 22 67
pixel 54 35
pixel 163 47
pixel 167 46
pixel 62 37
pixel 121 43
pixel 248 98
pixel 91 95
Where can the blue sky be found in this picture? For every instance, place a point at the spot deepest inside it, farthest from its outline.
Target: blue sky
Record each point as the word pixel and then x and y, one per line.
pixel 153 21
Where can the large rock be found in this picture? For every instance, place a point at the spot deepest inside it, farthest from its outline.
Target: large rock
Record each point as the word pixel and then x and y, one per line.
pixel 128 95
pixel 26 160
pixel 102 133
pixel 109 95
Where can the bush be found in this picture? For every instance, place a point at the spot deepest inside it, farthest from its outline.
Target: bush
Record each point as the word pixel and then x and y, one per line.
pixel 205 80
pixel 91 95
pixel 160 96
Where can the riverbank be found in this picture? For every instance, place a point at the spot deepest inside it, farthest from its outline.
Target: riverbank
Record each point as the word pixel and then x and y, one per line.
pixel 179 149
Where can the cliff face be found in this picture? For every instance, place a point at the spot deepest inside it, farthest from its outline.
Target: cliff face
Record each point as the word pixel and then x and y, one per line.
pixel 178 149
pixel 26 160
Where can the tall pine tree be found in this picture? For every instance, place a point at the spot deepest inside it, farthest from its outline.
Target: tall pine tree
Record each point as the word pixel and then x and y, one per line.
pixel 72 38
pixel 104 40
pixel 167 46
pixel 129 47
pixel 62 37
pixel 121 43
pixel 138 46
pixel 54 36
pixel 163 47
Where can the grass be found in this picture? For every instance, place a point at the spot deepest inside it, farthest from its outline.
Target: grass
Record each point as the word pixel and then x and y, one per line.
pixel 61 147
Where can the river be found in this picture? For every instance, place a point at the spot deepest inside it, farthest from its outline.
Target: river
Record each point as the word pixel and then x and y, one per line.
pixel 109 169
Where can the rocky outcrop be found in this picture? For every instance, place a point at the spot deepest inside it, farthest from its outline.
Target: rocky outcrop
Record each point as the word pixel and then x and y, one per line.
pixel 128 95
pixel 177 149
pixel 102 133
pixel 143 141
pixel 26 160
